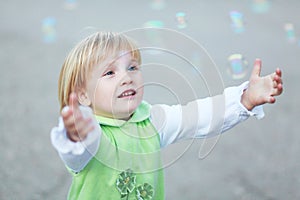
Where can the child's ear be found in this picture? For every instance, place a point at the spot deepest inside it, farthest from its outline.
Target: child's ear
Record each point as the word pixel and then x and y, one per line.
pixel 83 98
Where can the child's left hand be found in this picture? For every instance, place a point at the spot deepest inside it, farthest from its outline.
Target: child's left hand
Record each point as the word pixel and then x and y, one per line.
pixel 262 90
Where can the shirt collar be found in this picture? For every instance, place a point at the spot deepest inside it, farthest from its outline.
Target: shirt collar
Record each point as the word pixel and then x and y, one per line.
pixel 140 114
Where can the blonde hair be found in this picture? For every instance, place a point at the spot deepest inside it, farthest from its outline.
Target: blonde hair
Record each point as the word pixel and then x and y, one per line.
pixel 85 55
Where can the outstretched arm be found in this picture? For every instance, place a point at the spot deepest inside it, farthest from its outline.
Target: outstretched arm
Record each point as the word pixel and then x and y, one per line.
pixel 77 136
pixel 262 90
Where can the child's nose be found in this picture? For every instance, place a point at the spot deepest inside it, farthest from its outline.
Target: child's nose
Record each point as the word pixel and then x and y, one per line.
pixel 126 79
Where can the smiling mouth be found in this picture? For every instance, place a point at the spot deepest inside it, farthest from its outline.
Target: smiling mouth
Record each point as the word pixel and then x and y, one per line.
pixel 127 93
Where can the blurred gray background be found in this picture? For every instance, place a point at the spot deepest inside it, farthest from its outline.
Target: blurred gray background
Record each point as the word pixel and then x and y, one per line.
pixel 258 159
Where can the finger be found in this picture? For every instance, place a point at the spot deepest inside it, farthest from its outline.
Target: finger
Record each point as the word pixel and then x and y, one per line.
pixel 73 101
pixel 74 105
pixel 256 68
pixel 68 119
pixel 279 89
pixel 278 72
pixel 278 79
pixel 271 99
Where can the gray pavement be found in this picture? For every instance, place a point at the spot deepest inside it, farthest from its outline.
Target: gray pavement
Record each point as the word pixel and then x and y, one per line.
pixel 258 159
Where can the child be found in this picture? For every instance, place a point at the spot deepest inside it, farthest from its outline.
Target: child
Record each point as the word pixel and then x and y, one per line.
pixel 110 140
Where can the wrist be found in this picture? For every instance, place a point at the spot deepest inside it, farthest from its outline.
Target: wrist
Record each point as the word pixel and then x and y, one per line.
pixel 245 101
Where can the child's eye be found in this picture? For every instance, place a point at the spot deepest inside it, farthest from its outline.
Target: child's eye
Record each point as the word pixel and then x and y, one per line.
pixel 109 73
pixel 133 68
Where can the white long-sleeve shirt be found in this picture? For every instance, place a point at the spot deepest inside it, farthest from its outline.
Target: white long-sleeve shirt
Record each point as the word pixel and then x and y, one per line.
pixel 198 119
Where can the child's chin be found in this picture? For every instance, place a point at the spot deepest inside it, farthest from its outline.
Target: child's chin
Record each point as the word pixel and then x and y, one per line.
pixel 130 110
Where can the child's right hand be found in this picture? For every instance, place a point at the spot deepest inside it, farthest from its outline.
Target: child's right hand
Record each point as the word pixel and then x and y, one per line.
pixel 76 124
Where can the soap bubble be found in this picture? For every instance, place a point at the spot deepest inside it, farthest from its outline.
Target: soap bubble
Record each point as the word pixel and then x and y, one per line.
pixel 181 20
pixel 48 29
pixel 237 21
pixel 238 66
pixel 290 32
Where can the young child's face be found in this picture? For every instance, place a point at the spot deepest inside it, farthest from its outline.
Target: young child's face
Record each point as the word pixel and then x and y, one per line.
pixel 116 89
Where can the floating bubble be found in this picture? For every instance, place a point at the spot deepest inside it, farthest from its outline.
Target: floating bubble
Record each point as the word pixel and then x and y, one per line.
pixel 238 66
pixel 237 21
pixel 158 4
pixel 290 32
pixel 261 6
pixel 181 20
pixel 48 29
pixel 70 4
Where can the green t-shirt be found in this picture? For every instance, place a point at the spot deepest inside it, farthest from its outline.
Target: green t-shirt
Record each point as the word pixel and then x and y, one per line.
pixel 127 164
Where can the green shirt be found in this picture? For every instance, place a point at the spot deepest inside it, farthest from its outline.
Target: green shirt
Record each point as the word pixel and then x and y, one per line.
pixel 127 164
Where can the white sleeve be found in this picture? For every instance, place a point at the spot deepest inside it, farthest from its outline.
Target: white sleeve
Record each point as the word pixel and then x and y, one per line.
pixel 203 117
pixel 76 155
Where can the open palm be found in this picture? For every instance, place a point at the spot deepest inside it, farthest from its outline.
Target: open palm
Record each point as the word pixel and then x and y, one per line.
pixel 262 90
